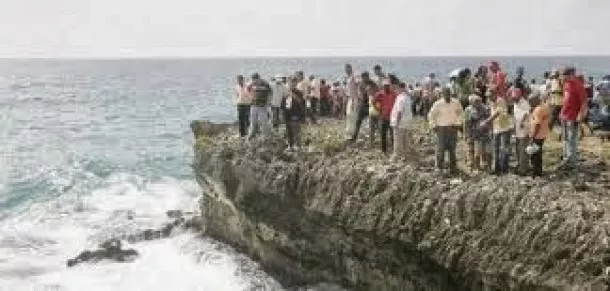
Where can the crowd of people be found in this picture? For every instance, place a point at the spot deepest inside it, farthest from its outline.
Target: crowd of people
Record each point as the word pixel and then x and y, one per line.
pixel 488 109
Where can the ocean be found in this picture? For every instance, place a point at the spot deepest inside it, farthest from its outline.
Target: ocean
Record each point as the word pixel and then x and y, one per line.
pixel 86 143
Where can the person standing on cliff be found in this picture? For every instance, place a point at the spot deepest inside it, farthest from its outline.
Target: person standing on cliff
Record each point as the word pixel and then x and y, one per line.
pixel 243 99
pixel 540 119
pixel 279 91
pixel 363 101
pixel 445 118
pixel 259 111
pixel 400 117
pixel 293 106
pixel 385 98
pixel 573 111
pixel 351 92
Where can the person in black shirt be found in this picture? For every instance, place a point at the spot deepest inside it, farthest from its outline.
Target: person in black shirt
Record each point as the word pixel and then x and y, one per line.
pixel 294 108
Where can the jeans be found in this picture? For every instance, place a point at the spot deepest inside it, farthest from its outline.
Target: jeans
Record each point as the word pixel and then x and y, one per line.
pixel 311 110
pixel 243 118
pixel 501 152
pixel 293 133
pixel 386 131
pixel 259 121
pixel 522 157
pixel 571 130
pixel 536 159
pixel 446 142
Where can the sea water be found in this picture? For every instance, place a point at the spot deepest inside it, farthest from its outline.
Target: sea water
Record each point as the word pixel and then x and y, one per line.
pixel 85 144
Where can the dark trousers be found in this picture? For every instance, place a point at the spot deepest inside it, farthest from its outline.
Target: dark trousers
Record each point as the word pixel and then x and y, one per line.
pixel 275 118
pixel 243 119
pixel 536 159
pixel 293 133
pixel 386 131
pixel 501 152
pixel 314 105
pixel 325 107
pixel 555 110
pixel 363 112
pixel 446 142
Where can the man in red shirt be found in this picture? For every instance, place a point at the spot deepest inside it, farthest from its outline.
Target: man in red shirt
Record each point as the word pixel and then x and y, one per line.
pixel 385 98
pixel 572 112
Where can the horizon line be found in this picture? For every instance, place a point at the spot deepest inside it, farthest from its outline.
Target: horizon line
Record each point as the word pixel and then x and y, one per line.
pixel 110 58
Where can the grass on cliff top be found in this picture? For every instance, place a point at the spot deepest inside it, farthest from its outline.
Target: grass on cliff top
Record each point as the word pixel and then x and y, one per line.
pixel 329 136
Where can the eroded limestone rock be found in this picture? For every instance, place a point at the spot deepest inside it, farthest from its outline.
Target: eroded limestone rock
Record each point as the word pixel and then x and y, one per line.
pixel 354 218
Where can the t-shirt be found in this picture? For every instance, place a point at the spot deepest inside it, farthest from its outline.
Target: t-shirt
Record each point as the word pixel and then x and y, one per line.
pixel 573 100
pixel 502 122
pixel 277 94
pixel 521 110
pixel 351 86
pixel 402 107
pixel 261 91
pixel 473 118
pixel 386 100
pixel 540 116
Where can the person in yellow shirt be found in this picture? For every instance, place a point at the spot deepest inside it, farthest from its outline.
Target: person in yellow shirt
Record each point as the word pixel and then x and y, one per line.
pixel 445 117
pixel 501 125
pixel 540 119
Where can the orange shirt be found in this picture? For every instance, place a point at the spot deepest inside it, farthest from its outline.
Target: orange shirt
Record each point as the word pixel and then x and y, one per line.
pixel 542 117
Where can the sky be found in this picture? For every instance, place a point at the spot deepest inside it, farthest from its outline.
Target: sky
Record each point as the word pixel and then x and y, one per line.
pixel 230 28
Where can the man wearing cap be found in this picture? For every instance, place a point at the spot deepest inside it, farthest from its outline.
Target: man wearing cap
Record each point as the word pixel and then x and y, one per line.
pixel 445 117
pixel 259 111
pixel 572 112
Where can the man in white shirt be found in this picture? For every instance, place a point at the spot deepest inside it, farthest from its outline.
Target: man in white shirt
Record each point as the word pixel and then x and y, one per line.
pixel 279 91
pixel 399 119
pixel 352 102
pixel 445 119
pixel 521 110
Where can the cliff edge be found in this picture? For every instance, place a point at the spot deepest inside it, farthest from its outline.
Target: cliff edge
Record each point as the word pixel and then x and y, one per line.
pixel 344 214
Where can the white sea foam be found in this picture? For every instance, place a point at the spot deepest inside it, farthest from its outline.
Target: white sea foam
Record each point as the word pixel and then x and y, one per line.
pixel 36 241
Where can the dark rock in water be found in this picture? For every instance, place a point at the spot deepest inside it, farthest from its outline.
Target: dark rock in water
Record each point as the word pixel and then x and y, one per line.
pixel 174 213
pixel 349 217
pixel 148 234
pixel 109 250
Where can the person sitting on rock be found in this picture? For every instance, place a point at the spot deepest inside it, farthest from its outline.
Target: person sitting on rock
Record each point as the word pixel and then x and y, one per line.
pixel 445 118
pixel 294 108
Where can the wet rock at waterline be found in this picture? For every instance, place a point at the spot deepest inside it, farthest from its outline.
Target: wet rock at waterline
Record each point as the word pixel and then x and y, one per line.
pixel 109 250
pixel 342 213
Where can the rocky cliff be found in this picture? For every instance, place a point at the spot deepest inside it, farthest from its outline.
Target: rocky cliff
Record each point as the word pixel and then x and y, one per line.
pixel 346 215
